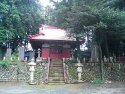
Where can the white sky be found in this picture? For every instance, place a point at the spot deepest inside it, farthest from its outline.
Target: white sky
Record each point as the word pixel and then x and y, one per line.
pixel 45 3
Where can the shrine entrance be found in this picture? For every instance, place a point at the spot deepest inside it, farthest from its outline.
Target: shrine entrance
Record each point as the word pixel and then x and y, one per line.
pixel 56 51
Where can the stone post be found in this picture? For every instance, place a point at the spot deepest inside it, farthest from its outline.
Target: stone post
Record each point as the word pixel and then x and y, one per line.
pixel 21 53
pixel 79 71
pixel 38 59
pixel 84 60
pixel 32 65
pixel 97 60
pixel 105 59
pixel 4 58
pixel 111 59
pixel 11 59
pixel 63 60
pixel 8 54
pixel 64 69
pixel 39 62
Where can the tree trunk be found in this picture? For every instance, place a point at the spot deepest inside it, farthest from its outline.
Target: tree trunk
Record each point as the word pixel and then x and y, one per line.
pixel 78 48
pixel 101 63
pixel 106 45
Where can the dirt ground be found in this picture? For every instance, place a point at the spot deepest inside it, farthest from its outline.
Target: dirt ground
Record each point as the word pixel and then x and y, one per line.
pixel 82 88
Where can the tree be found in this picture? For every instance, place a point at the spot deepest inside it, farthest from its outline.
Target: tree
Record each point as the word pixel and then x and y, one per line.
pixel 18 20
pixel 103 15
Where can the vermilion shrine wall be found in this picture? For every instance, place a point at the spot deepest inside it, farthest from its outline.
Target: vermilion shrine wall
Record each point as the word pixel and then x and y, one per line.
pixel 47 52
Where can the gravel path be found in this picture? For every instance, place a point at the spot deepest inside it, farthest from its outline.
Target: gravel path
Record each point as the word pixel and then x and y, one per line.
pixel 84 88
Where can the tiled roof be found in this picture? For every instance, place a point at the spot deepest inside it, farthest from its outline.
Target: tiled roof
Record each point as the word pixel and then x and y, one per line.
pixel 47 32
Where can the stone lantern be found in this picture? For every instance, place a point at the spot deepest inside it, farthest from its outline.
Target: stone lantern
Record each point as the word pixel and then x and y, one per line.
pixel 38 59
pixel 79 70
pixel 32 65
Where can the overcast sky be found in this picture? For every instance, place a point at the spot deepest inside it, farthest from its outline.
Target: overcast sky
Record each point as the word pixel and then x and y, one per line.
pixel 45 2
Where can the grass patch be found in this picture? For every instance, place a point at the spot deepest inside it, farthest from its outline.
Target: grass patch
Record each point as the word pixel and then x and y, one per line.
pixel 4 64
pixel 98 81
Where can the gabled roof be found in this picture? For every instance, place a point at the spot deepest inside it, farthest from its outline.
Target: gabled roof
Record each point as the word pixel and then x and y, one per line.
pixel 47 32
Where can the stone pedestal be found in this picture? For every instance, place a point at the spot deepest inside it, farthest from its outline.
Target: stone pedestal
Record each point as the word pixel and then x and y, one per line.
pixel 79 77
pixel 32 65
pixel 79 71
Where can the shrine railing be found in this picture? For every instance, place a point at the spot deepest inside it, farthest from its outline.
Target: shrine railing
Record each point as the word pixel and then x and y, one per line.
pixel 48 69
pixel 65 72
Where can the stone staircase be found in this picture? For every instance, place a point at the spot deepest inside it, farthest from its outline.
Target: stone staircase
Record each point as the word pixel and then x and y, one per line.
pixel 56 72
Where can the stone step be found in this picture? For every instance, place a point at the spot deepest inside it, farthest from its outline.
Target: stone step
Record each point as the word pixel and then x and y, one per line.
pixel 60 63
pixel 57 62
pixel 56 72
pixel 56 81
pixel 56 66
pixel 56 78
pixel 56 69
pixel 53 60
pixel 56 75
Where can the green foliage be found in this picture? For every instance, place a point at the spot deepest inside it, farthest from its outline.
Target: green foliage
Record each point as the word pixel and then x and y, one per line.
pixel 107 18
pixel 98 81
pixel 14 57
pixel 18 20
pixel 4 64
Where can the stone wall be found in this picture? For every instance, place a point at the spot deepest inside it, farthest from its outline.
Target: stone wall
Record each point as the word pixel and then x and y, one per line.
pixel 20 72
pixel 40 74
pixel 91 71
pixel 13 72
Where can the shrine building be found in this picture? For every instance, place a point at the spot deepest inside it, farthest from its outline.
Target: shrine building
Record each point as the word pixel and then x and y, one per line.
pixel 53 42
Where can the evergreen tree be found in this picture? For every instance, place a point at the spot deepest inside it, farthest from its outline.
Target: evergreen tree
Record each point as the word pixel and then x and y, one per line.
pixel 18 20
pixel 106 20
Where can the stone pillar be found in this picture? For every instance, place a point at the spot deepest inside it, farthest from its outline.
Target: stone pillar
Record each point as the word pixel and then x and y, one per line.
pixel 63 60
pixel 79 71
pixel 21 53
pixel 32 65
pixel 39 59
pixel 8 54
pixel 4 58
pixel 84 60
pixel 105 59
pixel 95 53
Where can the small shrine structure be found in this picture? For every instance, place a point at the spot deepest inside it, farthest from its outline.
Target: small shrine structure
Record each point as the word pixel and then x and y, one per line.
pixel 53 42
